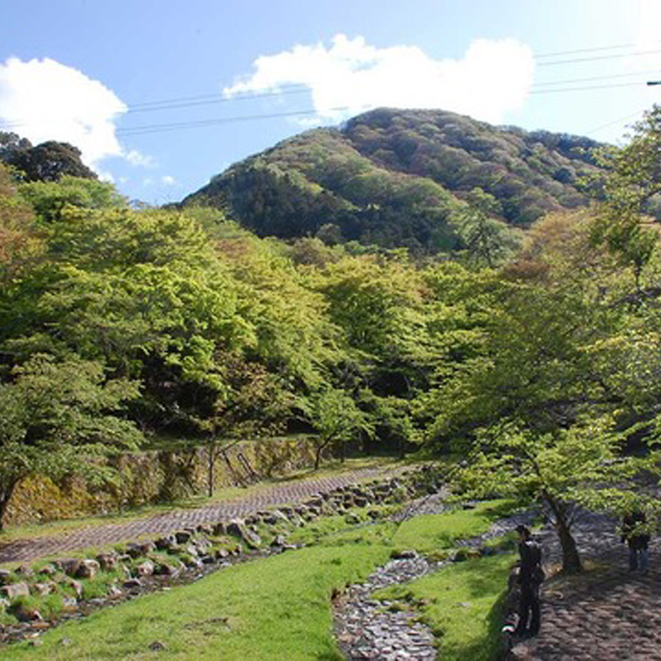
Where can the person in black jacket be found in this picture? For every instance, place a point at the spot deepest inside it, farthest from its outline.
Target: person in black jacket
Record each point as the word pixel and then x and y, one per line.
pixel 530 579
pixel 637 539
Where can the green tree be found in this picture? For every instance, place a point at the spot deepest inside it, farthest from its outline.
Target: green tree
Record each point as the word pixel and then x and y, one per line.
pixel 336 418
pixel 59 418
pixel 560 469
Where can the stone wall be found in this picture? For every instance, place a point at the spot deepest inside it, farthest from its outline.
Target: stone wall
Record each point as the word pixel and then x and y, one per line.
pixel 158 476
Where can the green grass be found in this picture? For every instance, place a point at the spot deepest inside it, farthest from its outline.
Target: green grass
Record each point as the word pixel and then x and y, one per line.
pixel 430 532
pixel 280 607
pixel 461 603
pixel 277 608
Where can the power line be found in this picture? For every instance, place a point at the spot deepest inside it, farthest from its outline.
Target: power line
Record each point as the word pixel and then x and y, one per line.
pixel 586 88
pixel 615 121
pixel 157 128
pixel 591 78
pixel 206 99
pixel 584 50
pixel 600 57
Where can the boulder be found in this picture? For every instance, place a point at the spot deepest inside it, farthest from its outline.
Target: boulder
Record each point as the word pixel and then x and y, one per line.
pixel 165 569
pixel 145 568
pixel 69 604
pixel 237 528
pixel 24 571
pixel 42 589
pixel 47 570
pixel 132 584
pixel 69 566
pixel 204 529
pixel 87 569
pixel 219 528
pixel 15 590
pixel 114 592
pixel 77 587
pixel 183 536
pixel 5 576
pixel 166 543
pixel 28 615
pixel 107 561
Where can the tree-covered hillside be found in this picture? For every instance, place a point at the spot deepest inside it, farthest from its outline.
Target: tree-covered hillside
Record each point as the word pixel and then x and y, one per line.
pixel 404 178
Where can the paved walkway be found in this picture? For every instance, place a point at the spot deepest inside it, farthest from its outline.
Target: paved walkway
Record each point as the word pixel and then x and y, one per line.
pixel 288 492
pixel 605 614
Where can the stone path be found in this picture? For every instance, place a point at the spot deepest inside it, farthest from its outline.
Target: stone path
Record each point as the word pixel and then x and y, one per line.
pixel 288 492
pixel 366 628
pixel 605 614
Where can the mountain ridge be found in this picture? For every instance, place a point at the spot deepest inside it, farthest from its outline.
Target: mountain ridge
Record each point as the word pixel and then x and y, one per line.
pixel 401 178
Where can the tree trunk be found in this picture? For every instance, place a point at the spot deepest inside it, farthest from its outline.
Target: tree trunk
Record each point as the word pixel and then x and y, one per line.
pixel 6 492
pixel 211 467
pixel 571 560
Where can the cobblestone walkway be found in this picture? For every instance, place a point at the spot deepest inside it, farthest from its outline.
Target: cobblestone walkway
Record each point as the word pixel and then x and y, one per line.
pixel 289 492
pixel 607 613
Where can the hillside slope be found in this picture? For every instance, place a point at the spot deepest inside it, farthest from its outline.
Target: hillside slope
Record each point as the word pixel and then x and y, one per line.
pixel 401 178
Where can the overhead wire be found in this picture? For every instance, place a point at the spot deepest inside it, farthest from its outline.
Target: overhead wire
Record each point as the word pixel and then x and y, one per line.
pixel 210 99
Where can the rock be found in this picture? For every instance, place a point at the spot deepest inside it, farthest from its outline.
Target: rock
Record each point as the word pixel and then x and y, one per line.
pixel 28 615
pixel 87 569
pixel 156 646
pixel 141 549
pixel 24 570
pixel 42 589
pixel 47 570
pixel 219 528
pixel 352 518
pixel 279 540
pixel 274 517
pixel 77 587
pixel 191 549
pixel 36 642
pixel 221 554
pixel 69 604
pixel 15 590
pixel 207 559
pixel 166 543
pixel 114 592
pixel 145 568
pixel 69 566
pixel 132 584
pixel 236 528
pixel 4 604
pixel 107 561
pixel 406 554
pixel 165 569
pixel 183 536
pixel 65 642
pixel 204 529
pixel 361 501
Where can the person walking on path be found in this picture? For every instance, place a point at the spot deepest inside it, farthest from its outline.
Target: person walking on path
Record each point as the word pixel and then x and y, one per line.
pixel 637 539
pixel 531 576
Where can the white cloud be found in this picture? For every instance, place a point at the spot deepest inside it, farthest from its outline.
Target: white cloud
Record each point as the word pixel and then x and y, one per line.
pixel 137 158
pixel 168 180
pixel 351 76
pixel 45 100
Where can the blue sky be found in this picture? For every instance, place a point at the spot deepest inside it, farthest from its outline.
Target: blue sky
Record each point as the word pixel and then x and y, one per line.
pixel 83 70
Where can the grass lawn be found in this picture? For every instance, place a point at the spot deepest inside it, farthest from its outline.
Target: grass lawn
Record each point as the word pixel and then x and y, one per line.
pixel 461 605
pixel 280 607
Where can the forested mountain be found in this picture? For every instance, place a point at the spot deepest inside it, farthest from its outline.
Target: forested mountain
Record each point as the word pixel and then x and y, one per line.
pixel 410 178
